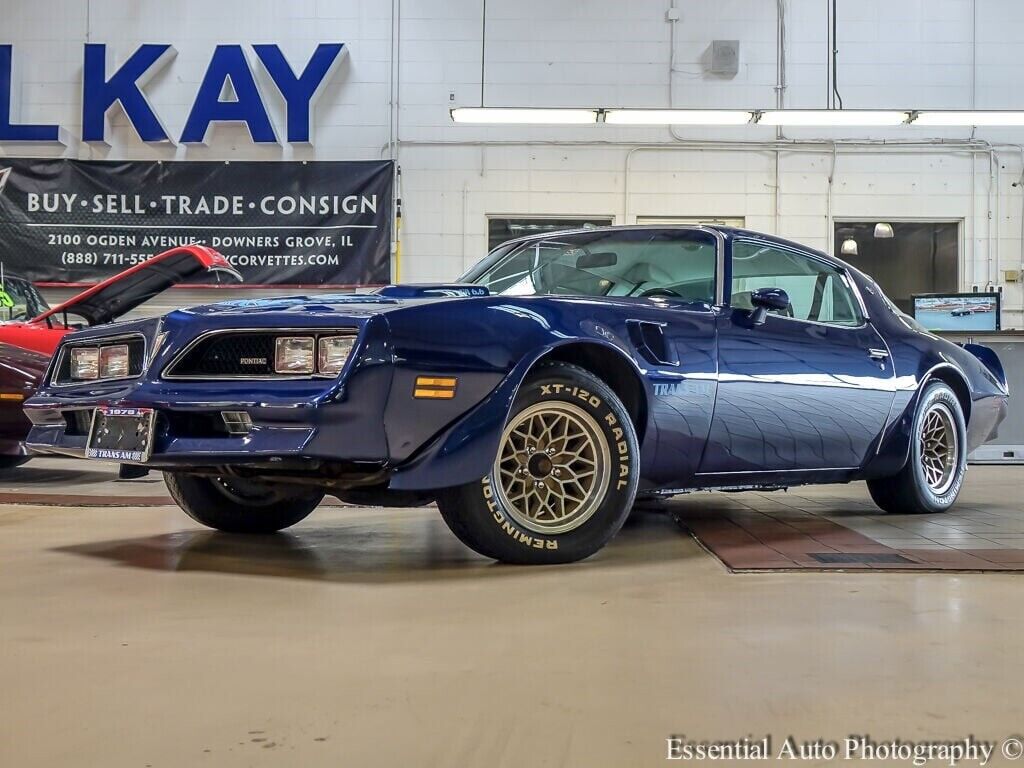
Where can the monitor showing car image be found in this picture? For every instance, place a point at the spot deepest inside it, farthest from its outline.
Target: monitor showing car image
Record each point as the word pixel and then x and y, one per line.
pixel 958 311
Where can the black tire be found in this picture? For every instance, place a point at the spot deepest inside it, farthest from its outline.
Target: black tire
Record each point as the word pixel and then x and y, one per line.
pixel 911 491
pixel 10 462
pixel 480 513
pixel 240 506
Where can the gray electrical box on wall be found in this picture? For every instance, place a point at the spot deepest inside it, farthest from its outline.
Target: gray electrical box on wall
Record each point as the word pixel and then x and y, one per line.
pixel 725 57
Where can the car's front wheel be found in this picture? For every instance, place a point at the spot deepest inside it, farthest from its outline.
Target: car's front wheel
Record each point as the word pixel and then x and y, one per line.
pixel 564 478
pixel 10 462
pixel 240 506
pixel 934 473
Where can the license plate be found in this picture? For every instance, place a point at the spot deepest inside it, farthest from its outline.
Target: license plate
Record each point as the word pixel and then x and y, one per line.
pixel 121 434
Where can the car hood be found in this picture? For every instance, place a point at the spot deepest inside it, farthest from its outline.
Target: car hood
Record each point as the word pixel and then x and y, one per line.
pixel 108 300
pixel 349 304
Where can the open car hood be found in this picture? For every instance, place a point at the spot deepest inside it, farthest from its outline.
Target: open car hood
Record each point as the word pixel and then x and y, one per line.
pixel 108 300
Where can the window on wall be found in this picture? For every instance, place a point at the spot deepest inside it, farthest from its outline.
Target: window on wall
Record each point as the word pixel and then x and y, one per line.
pixel 721 221
pixel 919 257
pixel 502 228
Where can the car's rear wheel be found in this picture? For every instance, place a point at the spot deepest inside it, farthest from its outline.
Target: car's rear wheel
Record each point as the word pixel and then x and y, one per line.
pixel 240 506
pixel 934 473
pixel 564 478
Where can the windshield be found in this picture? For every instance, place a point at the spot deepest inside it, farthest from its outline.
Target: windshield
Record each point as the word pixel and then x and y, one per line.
pixel 640 263
pixel 19 300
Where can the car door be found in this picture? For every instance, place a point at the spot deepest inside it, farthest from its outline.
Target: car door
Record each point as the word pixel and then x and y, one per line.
pixel 673 279
pixel 811 387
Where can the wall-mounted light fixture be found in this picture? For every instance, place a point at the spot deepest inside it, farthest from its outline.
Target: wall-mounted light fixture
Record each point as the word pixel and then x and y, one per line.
pixel 523 116
pixel 833 117
pixel 967 118
pixel 812 118
pixel 679 116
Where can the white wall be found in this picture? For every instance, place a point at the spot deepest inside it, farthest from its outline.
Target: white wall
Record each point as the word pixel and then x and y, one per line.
pixel 892 53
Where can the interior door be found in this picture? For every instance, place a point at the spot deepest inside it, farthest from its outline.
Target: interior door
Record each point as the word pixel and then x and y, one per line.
pixel 808 389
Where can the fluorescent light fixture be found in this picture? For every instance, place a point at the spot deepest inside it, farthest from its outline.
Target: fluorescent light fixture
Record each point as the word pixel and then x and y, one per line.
pixel 678 116
pixel 526 116
pixel 823 118
pixel 968 117
pixel 833 117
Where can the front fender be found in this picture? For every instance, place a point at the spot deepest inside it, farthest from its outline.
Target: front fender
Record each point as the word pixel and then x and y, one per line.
pixel 465 451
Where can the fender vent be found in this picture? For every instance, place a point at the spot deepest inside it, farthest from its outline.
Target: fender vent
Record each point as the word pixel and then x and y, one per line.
pixel 651 343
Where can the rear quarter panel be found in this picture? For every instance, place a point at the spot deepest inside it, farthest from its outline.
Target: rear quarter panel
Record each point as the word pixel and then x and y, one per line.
pixel 918 357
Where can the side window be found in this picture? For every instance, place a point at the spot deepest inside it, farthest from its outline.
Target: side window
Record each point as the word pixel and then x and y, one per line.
pixel 16 301
pixel 817 292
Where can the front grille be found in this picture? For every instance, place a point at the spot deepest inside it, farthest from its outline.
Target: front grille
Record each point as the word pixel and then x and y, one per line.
pixel 236 354
pixel 136 358
pixel 229 354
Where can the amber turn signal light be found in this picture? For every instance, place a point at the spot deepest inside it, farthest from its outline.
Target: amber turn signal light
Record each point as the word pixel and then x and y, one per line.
pixel 435 387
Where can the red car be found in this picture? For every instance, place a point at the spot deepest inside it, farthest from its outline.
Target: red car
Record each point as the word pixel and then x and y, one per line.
pixel 20 372
pixel 26 321
pixel 30 331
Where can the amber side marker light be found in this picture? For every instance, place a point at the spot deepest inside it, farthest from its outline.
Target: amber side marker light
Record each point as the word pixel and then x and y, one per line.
pixel 11 396
pixel 434 388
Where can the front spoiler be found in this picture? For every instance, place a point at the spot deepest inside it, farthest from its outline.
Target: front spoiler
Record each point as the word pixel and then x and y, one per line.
pixel 262 444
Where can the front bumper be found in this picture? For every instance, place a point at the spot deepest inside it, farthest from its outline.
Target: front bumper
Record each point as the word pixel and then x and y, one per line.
pixel 364 426
pixel 295 421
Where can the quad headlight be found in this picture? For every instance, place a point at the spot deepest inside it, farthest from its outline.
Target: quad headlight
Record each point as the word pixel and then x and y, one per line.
pixel 114 362
pixel 332 353
pixel 307 354
pixel 85 363
pixel 97 363
pixel 294 354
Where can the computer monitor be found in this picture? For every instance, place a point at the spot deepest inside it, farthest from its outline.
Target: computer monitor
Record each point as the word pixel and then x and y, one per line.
pixel 957 311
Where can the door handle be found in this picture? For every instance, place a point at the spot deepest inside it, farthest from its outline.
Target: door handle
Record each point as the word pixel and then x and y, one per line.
pixel 878 354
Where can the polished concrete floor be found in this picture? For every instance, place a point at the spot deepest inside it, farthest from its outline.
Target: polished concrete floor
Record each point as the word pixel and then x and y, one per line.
pixel 131 637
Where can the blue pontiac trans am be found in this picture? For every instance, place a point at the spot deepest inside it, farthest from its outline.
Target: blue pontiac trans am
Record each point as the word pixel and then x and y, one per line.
pixel 535 398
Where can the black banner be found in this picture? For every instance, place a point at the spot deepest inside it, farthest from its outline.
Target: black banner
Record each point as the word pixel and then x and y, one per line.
pixel 278 223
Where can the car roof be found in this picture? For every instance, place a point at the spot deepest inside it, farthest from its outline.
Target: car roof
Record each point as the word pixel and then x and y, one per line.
pixel 729 233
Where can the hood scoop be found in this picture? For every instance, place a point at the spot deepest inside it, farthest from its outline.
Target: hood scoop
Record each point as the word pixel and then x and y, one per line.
pixel 432 290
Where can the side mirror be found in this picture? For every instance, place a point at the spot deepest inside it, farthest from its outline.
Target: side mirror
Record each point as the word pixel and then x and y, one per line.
pixel 765 299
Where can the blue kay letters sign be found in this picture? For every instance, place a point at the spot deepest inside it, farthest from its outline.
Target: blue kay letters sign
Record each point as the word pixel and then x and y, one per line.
pixel 103 88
